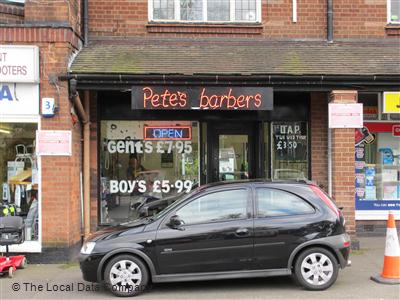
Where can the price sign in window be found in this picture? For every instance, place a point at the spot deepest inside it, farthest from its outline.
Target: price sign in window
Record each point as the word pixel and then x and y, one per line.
pixel 289 150
pixel 145 163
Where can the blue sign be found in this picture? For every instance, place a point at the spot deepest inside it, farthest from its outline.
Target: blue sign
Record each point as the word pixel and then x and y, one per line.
pixel 5 93
pixel 175 133
pixel 377 205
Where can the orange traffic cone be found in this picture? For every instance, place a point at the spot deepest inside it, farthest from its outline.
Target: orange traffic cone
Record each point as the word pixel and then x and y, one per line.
pixel 391 263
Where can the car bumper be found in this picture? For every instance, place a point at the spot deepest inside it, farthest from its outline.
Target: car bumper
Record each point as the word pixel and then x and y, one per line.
pixel 342 246
pixel 89 266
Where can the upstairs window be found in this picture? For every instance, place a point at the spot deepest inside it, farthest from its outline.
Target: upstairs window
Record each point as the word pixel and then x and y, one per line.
pixel 393 11
pixel 205 11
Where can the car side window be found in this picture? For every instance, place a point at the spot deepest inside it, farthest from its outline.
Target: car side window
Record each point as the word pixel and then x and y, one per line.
pixel 218 206
pixel 273 202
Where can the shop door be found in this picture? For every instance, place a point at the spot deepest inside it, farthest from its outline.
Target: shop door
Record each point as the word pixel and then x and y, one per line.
pixel 232 152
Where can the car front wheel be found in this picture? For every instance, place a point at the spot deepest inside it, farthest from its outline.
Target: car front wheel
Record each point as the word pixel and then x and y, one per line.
pixel 126 275
pixel 316 269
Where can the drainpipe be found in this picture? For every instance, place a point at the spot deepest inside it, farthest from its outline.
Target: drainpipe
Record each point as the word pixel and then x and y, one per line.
pixel 329 22
pixel 84 116
pixel 85 22
pixel 86 165
pixel 329 162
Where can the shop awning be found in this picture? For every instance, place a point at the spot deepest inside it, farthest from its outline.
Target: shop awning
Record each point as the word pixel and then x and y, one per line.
pixel 238 57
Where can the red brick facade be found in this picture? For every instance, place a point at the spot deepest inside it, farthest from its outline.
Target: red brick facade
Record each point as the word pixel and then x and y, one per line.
pixel 34 23
pixel 11 13
pixel 319 139
pixel 61 212
pixel 352 19
pixel 343 161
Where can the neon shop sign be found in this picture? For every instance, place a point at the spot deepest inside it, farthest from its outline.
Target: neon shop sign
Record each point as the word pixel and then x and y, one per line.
pixel 174 133
pixel 202 98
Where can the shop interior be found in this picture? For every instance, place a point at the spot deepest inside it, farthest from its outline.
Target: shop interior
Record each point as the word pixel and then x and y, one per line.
pixel 19 175
pixel 137 168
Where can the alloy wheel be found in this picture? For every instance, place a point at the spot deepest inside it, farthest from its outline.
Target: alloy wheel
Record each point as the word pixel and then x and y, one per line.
pixel 317 269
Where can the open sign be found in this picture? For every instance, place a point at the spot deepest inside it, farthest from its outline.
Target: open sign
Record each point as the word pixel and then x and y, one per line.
pixel 174 133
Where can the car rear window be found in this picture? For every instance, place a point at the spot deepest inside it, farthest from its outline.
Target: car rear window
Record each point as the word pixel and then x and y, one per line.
pixel 274 202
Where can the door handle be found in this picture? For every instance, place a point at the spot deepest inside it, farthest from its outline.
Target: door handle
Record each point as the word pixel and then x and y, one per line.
pixel 242 232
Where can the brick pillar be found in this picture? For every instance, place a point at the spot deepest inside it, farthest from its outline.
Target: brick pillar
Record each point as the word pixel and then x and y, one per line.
pixel 343 160
pixel 319 138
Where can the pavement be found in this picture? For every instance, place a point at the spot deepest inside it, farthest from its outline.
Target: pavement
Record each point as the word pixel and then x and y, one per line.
pixel 65 282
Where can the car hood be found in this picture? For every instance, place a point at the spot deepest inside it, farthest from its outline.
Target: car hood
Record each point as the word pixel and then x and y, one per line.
pixel 114 231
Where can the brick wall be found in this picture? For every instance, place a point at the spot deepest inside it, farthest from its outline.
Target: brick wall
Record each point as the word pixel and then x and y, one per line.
pixel 94 175
pixel 319 138
pixel 54 11
pixel 343 160
pixel 359 18
pixel 61 212
pixel 11 13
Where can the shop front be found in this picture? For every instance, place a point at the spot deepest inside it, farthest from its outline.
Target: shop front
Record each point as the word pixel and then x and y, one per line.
pixel 377 165
pixel 19 121
pixel 158 142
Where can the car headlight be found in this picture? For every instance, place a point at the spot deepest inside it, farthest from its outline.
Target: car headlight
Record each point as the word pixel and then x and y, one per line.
pixel 88 247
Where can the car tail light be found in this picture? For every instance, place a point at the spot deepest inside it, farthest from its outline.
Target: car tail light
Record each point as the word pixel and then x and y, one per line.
pixel 324 197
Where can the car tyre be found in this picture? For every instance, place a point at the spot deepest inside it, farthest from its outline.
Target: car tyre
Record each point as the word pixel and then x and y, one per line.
pixel 126 276
pixel 316 269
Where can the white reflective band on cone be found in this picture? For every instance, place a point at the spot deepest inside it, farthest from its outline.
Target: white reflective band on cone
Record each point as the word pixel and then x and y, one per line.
pixel 392 243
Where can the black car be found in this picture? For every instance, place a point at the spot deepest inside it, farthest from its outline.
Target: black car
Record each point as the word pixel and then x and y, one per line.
pixel 224 231
pixel 151 208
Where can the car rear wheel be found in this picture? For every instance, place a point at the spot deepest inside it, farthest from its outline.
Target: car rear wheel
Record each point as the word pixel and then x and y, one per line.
pixel 126 275
pixel 316 269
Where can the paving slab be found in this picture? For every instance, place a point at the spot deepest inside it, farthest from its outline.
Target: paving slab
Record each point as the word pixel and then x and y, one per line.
pixel 65 282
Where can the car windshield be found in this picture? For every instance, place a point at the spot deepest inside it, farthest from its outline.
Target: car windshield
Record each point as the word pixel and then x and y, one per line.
pixel 179 198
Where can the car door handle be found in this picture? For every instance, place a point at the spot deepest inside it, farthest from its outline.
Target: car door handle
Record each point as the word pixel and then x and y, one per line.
pixel 242 232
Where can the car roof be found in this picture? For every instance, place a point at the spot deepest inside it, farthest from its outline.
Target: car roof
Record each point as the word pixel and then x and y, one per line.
pixel 245 182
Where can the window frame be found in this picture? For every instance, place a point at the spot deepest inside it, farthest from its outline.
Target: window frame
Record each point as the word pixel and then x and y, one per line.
pixel 388 13
pixel 249 214
pixel 256 204
pixel 177 14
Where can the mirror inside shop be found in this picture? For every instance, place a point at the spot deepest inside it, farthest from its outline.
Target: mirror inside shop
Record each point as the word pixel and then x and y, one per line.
pixel 19 175
pixel 145 165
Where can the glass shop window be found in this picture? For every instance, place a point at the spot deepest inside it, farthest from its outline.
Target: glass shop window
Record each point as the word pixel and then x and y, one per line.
pixel 142 162
pixel 19 175
pixel 289 150
pixel 378 167
pixel 373 106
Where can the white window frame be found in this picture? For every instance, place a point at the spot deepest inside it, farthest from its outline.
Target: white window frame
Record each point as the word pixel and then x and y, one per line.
pixel 177 14
pixel 28 246
pixel 389 13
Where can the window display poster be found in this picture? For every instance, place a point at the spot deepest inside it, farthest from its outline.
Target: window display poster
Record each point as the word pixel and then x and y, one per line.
pixel 54 142
pixel 290 140
pixel 377 184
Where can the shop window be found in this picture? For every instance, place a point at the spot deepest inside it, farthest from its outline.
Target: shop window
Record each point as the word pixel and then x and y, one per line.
pixel 373 106
pixel 19 175
pixel 144 161
pixel 393 11
pixel 289 151
pixel 377 168
pixel 205 10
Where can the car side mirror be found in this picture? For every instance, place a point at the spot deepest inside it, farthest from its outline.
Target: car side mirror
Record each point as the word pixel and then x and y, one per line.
pixel 175 222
